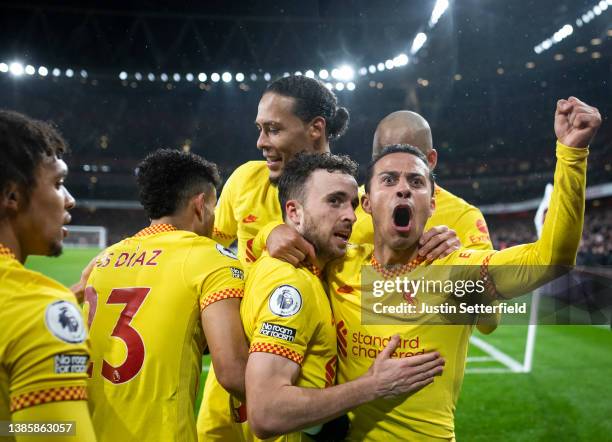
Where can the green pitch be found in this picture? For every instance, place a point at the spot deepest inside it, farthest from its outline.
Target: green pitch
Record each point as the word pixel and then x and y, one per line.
pixel 566 397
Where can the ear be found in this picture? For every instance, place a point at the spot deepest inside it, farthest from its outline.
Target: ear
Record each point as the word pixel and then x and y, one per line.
pixel 294 211
pixel 198 203
pixel 365 203
pixel 316 131
pixel 432 158
pixel 432 207
pixel 12 198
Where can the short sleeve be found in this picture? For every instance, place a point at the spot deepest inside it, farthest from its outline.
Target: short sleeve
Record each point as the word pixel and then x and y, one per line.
pixel 47 354
pixel 285 321
pixel 225 282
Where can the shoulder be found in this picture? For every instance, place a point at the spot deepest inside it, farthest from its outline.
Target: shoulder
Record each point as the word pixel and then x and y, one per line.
pixel 248 170
pixel 444 197
pixel 356 256
pixel 205 251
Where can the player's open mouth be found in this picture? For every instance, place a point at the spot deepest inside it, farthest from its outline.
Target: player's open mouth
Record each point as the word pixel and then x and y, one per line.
pixel 273 162
pixel 343 235
pixel 402 215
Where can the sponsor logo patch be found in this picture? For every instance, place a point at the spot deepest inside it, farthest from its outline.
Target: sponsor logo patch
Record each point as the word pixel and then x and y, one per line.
pixel 237 273
pixel 482 226
pixel 225 252
pixel 249 219
pixel 65 364
pixel 285 301
pixel 64 321
pixel 277 331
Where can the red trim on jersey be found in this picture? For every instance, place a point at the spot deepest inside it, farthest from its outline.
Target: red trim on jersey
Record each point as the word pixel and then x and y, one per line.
pixel 5 251
pixel 218 233
pixel 396 270
pixel 156 228
pixel 218 296
pixel 486 277
pixel 57 394
pixel 279 350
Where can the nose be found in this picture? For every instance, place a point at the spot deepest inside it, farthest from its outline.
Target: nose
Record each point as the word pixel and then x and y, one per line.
pixel 262 140
pixel 69 201
pixel 349 215
pixel 403 190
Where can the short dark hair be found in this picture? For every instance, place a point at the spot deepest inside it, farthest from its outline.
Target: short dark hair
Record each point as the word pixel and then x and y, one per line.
pixel 24 143
pixel 313 99
pixel 292 182
pixel 168 178
pixel 398 148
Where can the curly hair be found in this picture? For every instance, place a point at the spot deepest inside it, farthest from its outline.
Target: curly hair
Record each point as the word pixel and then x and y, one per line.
pixel 292 182
pixel 313 99
pixel 24 144
pixel 398 148
pixel 168 178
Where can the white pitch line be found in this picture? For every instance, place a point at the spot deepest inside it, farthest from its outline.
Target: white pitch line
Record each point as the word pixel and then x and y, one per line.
pixel 480 359
pixel 500 356
pixel 488 370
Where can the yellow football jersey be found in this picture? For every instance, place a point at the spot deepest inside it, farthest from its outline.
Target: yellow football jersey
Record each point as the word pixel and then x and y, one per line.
pixel 43 348
pixel 286 311
pixel 450 211
pixel 247 203
pixel 145 297
pixel 429 413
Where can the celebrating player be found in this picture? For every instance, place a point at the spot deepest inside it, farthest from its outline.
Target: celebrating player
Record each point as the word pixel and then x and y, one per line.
pixel 287 317
pixel 400 198
pixel 405 127
pixel 156 299
pixel 43 354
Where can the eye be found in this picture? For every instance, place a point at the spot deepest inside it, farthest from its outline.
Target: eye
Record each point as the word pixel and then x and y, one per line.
pixel 273 130
pixel 388 179
pixel 334 201
pixel 417 182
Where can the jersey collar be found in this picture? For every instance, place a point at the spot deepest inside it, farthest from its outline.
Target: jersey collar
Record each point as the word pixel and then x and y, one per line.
pixel 313 269
pixel 395 270
pixel 6 252
pixel 156 228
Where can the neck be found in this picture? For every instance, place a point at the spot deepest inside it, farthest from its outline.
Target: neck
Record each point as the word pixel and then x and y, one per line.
pixel 387 256
pixel 177 221
pixel 9 239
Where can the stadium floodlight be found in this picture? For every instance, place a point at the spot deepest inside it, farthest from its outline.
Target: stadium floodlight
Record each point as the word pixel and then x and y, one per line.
pixel 286 74
pixel 202 77
pixel 56 72
pixel 69 73
pixel 380 67
pixel 138 76
pixel 323 74
pixel 267 76
pixel 30 70
pixel 151 76
pixel 123 75
pixel 253 77
pixel 176 77
pixel 438 11
pixel 16 69
pixel 84 73
pixel 372 69
pixel 350 86
pixel 189 76
pixel 215 77
pixel 43 71
pixel 344 73
pixel 226 77
pixel 310 73
pixel 363 71
pixel 401 60
pixel 418 42
pixel 163 77
pixel 240 77
pixel 4 67
pixel 329 86
pixel 339 86
pixel 297 73
pixel 389 64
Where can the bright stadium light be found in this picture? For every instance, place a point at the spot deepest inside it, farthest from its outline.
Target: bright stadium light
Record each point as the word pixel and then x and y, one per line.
pixel 438 11
pixel 267 76
pixel 16 69
pixel 176 77
pixel 30 70
pixel 151 76
pixel 253 77
pixel 350 86
pixel 297 73
pixel 310 73
pixel 323 74
pixel 329 86
pixel 4 67
pixel 240 77
pixel 401 60
pixel 344 73
pixel 339 86
pixel 372 69
pixel 363 71
pixel 56 72
pixel 215 77
pixel 286 74
pixel 202 77
pixel 389 64
pixel 226 77
pixel 69 73
pixel 123 75
pixel 163 77
pixel 84 73
pixel 380 67
pixel 189 76
pixel 43 71
pixel 418 42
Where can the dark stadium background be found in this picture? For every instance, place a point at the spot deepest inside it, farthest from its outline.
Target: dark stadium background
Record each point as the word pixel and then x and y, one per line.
pixel 489 98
